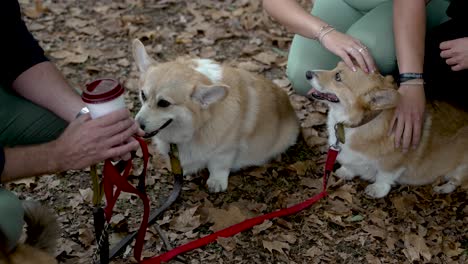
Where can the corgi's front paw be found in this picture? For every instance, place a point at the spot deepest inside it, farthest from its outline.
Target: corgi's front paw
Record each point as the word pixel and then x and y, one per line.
pixel 378 190
pixel 217 184
pixel 445 188
pixel 345 173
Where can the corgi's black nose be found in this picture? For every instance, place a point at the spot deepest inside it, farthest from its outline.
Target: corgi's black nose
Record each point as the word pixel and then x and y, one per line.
pixel 309 75
pixel 141 123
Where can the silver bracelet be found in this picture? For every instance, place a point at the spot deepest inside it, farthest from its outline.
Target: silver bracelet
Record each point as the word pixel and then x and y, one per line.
pixel 83 111
pixel 324 33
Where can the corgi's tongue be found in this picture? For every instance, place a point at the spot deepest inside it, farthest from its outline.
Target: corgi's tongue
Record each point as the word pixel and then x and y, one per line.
pixel 322 96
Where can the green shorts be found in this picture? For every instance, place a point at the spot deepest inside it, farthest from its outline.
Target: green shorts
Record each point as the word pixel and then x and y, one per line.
pixel 370 21
pixel 21 123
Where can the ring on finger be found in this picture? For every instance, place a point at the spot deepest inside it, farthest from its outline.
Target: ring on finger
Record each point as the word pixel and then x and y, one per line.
pixel 361 49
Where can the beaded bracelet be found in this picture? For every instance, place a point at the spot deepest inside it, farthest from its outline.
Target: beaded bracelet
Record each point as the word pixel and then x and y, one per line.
pixel 410 76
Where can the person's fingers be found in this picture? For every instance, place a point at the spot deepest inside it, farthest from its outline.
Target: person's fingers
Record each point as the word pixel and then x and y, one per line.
pixel 416 133
pixel 400 127
pixel 451 61
pixel 113 117
pixel 407 133
pixel 118 127
pixel 369 60
pixel 392 127
pixel 359 57
pixel 446 45
pixel 122 137
pixel 347 60
pixel 457 67
pixel 446 53
pixel 121 150
pixel 126 156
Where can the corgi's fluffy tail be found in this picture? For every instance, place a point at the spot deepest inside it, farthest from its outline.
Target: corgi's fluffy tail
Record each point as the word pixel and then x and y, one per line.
pixel 42 227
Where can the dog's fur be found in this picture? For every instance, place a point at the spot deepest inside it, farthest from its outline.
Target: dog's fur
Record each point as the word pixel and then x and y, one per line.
pixel 42 233
pixel 223 118
pixel 371 153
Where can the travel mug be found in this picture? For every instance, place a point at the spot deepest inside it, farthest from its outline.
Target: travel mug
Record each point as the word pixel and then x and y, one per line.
pixel 103 96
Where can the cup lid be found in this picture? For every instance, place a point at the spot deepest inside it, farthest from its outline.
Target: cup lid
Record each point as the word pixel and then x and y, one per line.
pixel 101 90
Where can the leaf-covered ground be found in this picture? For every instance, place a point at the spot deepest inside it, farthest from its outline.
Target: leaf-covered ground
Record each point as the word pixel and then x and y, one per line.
pixel 90 39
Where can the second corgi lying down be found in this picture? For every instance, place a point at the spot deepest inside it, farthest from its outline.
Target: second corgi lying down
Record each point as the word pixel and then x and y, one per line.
pixel 364 104
pixel 221 118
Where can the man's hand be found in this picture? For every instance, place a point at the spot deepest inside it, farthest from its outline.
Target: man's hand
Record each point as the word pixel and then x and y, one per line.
pixel 455 53
pixel 88 141
pixel 407 121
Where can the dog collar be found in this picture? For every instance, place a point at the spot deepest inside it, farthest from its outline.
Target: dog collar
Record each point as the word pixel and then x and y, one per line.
pixel 339 127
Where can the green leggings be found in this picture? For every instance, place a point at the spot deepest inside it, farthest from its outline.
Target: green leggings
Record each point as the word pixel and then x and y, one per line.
pixel 21 123
pixel 370 21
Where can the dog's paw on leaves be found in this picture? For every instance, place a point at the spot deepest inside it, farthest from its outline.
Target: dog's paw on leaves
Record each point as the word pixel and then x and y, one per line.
pixel 377 190
pixel 217 184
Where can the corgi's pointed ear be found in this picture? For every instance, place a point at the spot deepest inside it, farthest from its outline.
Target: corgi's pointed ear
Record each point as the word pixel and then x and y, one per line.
pixel 141 57
pixel 206 95
pixel 381 99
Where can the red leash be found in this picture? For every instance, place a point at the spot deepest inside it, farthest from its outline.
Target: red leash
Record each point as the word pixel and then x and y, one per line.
pixel 249 223
pixel 112 178
pixel 114 183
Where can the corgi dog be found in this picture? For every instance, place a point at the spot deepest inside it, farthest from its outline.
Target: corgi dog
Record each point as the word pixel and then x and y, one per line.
pixel 42 234
pixel 220 118
pixel 364 105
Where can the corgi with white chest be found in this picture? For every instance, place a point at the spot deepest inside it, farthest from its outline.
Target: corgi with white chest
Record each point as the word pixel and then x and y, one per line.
pixel 364 104
pixel 221 118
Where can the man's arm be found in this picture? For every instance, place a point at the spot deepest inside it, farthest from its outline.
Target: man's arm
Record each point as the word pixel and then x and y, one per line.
pixel 84 142
pixel 29 161
pixel 44 85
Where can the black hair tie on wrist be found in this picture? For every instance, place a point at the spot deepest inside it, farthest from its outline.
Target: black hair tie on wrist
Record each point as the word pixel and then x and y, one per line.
pixel 410 76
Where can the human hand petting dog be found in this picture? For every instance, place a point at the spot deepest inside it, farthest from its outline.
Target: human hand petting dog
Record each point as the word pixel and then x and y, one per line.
pixel 88 141
pixel 407 121
pixel 455 53
pixel 349 49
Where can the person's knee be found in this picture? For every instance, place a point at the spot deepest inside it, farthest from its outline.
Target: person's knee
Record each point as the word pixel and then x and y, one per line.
pixel 296 76
pixel 11 222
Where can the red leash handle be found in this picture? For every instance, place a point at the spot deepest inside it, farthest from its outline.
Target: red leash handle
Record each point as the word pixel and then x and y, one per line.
pixel 113 180
pixel 249 223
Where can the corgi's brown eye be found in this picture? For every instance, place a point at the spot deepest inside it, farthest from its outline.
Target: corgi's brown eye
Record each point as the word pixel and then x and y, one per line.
pixel 143 96
pixel 338 77
pixel 163 103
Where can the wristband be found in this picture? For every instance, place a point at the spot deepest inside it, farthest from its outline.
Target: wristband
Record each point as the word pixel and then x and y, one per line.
pixel 83 111
pixel 410 76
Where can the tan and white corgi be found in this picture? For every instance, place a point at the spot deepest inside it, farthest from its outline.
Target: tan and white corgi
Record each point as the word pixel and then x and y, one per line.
pixel 364 104
pixel 221 118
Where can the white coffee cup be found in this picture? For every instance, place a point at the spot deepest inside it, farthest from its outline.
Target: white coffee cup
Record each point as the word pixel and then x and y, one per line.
pixel 103 96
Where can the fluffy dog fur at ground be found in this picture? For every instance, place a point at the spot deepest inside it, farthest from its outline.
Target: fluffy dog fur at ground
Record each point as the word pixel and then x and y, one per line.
pixel 42 233
pixel 221 118
pixel 365 104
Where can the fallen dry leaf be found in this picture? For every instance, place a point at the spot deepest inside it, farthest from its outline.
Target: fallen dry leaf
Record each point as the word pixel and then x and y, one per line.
pixel 275 246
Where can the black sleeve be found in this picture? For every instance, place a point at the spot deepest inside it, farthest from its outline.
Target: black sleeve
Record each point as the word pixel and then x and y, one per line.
pixel 2 162
pixel 457 10
pixel 18 49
